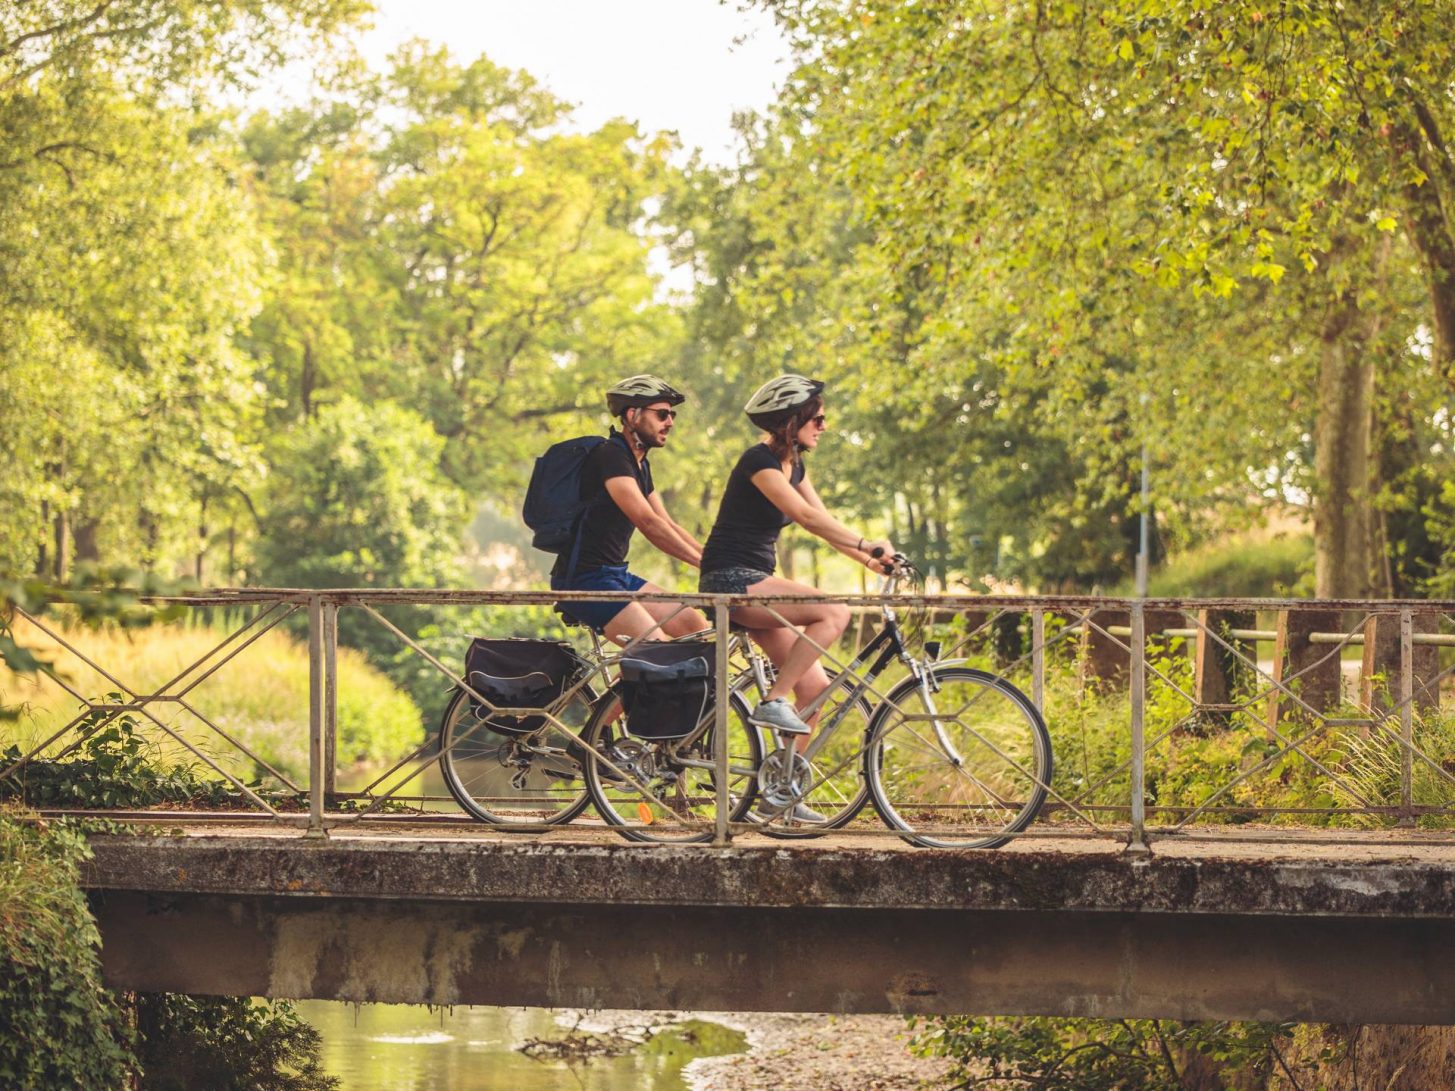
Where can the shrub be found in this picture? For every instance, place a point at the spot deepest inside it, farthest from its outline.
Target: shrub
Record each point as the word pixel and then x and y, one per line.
pixel 226 1043
pixel 1048 1054
pixel 61 1027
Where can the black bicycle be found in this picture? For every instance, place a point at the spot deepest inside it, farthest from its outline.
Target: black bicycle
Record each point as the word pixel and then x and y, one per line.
pixel 951 756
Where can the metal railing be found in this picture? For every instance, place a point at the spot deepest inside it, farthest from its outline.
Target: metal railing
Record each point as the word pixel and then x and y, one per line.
pixel 1144 699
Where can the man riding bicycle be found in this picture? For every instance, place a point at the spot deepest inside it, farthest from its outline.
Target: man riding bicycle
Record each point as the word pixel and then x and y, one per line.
pixel 616 483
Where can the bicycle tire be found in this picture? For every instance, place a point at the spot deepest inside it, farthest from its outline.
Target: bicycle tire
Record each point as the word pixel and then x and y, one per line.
pixel 647 806
pixel 478 765
pixel 987 750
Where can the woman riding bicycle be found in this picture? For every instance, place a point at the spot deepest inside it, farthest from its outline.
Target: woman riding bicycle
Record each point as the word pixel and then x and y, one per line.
pixel 768 489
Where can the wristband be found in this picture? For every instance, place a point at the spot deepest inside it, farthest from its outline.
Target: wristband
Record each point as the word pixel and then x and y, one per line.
pixel 860 546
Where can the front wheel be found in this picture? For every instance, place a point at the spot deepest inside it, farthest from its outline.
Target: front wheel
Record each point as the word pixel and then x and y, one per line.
pixel 961 759
pixel 665 791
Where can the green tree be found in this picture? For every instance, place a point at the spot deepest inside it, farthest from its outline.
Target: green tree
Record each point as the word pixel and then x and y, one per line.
pixel 355 498
pixel 1150 220
pixel 128 259
pixel 465 258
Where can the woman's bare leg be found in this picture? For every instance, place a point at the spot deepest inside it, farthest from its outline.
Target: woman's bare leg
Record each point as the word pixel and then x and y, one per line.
pixel 821 622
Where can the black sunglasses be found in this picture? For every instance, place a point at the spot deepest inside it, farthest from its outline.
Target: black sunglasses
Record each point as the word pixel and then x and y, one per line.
pixel 820 420
pixel 664 414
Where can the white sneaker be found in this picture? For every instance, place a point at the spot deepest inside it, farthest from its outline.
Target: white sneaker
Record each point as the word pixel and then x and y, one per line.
pixel 780 716
pixel 799 812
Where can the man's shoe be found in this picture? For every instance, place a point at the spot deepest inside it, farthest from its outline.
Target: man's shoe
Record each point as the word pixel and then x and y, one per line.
pixel 799 812
pixel 780 716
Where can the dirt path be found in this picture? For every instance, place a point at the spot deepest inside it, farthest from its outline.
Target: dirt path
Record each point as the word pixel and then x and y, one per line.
pixel 815 1053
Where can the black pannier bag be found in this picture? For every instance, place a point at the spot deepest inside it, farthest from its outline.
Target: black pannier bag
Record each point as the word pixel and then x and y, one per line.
pixel 514 672
pixel 667 688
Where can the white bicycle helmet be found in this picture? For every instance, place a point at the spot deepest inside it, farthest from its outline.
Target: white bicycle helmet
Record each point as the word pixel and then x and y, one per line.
pixel 775 401
pixel 639 390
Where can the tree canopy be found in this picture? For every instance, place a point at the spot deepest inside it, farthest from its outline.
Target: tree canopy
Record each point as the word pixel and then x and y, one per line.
pixel 1023 244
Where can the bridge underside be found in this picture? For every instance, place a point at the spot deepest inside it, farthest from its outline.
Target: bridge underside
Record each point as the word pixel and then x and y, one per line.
pixel 707 958
pixel 612 926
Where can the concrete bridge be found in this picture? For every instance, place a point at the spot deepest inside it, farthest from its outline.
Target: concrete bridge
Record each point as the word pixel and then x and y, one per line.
pixel 1351 930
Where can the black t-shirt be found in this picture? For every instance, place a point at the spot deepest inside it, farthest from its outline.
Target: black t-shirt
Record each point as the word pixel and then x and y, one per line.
pixel 606 533
pixel 745 534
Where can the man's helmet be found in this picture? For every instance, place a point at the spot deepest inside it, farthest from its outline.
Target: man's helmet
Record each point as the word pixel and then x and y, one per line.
pixel 639 390
pixel 777 399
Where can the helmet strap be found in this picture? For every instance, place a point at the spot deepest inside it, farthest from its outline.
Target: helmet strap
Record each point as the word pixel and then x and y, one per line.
pixel 632 435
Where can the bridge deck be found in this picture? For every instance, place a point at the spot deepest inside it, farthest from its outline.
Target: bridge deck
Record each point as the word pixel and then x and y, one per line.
pixel 1208 928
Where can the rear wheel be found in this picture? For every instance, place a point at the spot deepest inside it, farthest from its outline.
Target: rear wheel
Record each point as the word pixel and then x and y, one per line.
pixel 831 784
pixel 959 763
pixel 666 790
pixel 514 780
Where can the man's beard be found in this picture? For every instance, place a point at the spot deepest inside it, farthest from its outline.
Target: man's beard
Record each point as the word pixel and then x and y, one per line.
pixel 646 443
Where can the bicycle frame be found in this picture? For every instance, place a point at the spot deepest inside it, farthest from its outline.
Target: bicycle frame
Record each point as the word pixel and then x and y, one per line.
pixel 883 648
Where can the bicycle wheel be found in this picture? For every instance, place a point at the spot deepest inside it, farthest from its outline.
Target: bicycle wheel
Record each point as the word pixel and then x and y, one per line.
pixel 510 780
pixel 831 784
pixel 959 766
pixel 665 790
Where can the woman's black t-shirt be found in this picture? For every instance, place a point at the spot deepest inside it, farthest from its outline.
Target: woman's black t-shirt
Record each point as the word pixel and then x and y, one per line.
pixel 745 534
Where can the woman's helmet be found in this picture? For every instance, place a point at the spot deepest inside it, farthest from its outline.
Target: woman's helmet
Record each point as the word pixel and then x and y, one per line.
pixel 777 399
pixel 639 390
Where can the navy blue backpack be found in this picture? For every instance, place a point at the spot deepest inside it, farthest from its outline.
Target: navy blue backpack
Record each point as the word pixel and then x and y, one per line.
pixel 553 504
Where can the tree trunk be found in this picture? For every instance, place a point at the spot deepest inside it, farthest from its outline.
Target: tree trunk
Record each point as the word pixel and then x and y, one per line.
pixel 1343 504
pixel 202 543
pixel 1346 528
pixel 42 559
pixel 306 380
pixel 1428 224
pixel 63 546
pixel 88 548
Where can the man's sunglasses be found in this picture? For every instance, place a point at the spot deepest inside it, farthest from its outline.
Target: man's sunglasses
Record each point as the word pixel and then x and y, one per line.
pixel 664 414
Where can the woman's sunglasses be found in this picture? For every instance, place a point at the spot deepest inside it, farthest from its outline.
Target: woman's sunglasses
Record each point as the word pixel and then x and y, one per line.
pixel 819 421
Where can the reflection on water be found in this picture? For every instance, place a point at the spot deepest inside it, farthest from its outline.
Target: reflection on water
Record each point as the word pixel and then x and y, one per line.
pixel 403 1047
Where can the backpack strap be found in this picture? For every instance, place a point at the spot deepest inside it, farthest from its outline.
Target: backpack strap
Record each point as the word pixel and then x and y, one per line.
pixel 641 479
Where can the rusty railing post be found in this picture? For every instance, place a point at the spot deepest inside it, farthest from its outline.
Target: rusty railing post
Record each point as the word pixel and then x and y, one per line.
pixel 1406 717
pixel 315 716
pixel 1038 659
pixel 722 836
pixel 1137 839
pixel 330 701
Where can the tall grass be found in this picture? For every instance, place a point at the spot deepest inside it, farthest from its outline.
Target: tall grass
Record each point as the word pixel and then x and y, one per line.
pixel 1243 567
pixel 1335 773
pixel 260 698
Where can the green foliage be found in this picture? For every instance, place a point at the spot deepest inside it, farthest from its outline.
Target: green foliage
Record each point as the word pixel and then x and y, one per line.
pixel 226 1044
pixel 1227 761
pixel 1045 1054
pixel 1242 568
pixel 1021 243
pixel 355 499
pixel 61 1028
pixel 114 766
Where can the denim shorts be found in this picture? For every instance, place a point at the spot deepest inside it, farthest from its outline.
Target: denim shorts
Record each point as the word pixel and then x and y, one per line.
pixel 730 581
pixel 611 577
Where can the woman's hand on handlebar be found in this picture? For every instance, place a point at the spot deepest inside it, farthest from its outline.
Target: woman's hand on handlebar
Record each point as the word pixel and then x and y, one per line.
pixel 881 556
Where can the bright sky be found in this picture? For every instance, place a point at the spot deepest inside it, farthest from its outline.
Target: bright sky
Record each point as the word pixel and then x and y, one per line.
pixel 685 65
